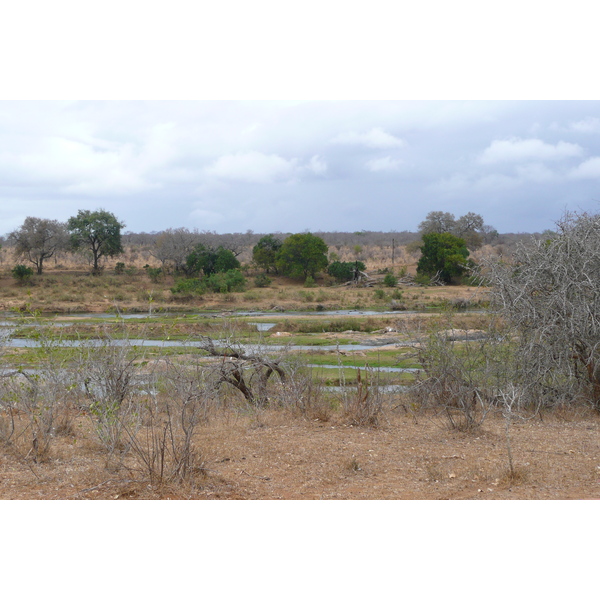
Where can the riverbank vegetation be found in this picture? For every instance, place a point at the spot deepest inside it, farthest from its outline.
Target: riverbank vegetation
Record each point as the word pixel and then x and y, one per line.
pixel 126 381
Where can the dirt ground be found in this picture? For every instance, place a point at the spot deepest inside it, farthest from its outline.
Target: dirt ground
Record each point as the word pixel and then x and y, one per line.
pixel 274 455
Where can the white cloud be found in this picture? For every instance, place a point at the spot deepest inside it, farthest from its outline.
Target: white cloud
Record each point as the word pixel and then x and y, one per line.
pixel 317 165
pixel 252 167
pixel 589 169
pixel 518 150
pixel 375 138
pixel 387 163
pixel 587 125
pixel 537 173
pixel 455 183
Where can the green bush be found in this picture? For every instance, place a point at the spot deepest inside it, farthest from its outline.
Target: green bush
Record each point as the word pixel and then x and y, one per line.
pixel 379 294
pixel 262 281
pixel 345 271
pixel 154 273
pixel 228 281
pixel 390 280
pixel 22 274
pixel 189 287
pixel 120 268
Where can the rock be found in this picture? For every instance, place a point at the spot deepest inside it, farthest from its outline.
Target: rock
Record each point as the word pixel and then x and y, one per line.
pixel 456 335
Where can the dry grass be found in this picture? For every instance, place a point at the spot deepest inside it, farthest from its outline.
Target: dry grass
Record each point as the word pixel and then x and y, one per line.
pixel 282 454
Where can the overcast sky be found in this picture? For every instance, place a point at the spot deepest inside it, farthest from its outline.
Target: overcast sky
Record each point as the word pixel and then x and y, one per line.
pixel 295 166
pixel 300 145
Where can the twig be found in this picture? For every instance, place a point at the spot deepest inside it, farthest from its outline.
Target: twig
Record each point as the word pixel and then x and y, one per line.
pixel 256 476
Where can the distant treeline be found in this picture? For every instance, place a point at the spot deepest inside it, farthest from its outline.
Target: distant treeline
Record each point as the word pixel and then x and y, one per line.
pixel 331 238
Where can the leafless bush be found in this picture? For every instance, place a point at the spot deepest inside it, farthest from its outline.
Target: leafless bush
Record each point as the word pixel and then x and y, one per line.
pixel 106 374
pixel 165 446
pixel 34 410
pixel 550 294
pixel 35 405
pixel 302 393
pixel 363 405
pixel 462 371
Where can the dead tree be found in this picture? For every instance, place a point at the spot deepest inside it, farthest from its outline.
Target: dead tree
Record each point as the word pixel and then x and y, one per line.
pixel 248 373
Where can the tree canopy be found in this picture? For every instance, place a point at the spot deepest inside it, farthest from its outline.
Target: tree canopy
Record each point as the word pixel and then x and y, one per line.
pixel 39 239
pixel 265 252
pixel 210 261
pixel 346 271
pixel 469 227
pixel 98 231
pixel 444 256
pixel 302 255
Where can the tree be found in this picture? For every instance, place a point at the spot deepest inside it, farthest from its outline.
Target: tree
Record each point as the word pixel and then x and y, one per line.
pixel 302 255
pixel 437 221
pixel 173 246
pixel 39 239
pixel 469 227
pixel 265 252
pixel 550 293
pixel 99 231
pixel 210 261
pixel 346 271
pixel 444 256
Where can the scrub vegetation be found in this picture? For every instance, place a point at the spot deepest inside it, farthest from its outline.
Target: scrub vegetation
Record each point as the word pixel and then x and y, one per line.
pixel 163 371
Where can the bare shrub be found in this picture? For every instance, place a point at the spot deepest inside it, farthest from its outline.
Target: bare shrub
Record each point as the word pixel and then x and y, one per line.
pixel 165 446
pixel 302 393
pixel 30 405
pixel 462 371
pixel 363 405
pixel 549 292
pixel 106 374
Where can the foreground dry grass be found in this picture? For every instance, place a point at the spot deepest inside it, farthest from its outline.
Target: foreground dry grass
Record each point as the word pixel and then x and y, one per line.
pixel 275 455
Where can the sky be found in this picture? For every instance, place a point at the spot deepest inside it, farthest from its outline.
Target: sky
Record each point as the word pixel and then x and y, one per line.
pixel 275 119
pixel 280 166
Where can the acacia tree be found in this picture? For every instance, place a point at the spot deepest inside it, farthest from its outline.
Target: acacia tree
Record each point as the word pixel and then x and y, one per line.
pixel 550 294
pixel 302 255
pixel 99 231
pixel 39 239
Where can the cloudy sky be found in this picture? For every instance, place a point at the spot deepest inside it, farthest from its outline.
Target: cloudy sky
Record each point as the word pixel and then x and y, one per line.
pixel 294 166
pixel 128 115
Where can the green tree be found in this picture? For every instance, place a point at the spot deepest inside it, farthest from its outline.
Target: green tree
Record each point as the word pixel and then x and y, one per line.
pixel 265 252
pixel 39 239
pixel 443 255
pixel 302 255
pixel 98 231
pixel 210 261
pixel 345 271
